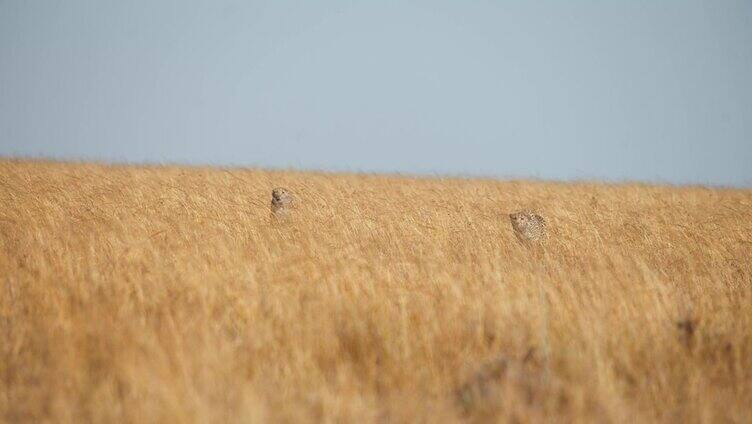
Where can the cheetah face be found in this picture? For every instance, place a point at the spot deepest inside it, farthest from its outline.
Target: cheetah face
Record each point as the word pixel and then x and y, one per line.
pixel 280 194
pixel 518 219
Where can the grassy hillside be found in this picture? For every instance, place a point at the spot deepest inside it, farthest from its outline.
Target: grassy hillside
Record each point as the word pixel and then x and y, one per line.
pixel 166 294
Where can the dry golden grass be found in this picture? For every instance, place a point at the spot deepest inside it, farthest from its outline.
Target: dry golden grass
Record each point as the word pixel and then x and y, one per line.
pixel 143 294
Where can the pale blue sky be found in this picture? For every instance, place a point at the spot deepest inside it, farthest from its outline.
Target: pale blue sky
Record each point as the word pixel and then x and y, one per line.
pixel 617 90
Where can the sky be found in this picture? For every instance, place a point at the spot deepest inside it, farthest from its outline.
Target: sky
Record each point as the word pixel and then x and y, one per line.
pixel 635 90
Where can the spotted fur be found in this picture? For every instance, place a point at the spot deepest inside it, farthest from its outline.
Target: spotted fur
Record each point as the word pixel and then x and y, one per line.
pixel 528 226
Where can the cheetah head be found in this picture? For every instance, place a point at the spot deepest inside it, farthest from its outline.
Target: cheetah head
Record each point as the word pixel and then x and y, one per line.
pixel 280 194
pixel 518 219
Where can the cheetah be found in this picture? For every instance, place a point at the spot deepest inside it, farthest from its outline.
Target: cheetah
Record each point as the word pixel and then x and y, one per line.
pixel 281 203
pixel 528 226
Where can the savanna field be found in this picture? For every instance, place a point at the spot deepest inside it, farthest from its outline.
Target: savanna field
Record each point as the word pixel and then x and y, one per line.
pixel 169 294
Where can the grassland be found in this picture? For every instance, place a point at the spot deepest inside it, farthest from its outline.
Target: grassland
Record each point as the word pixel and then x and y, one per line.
pixel 165 294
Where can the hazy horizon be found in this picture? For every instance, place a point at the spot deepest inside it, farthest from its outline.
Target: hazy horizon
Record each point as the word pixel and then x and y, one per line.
pixel 638 91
